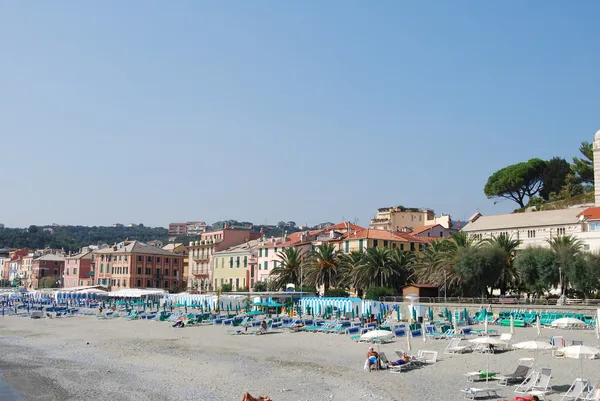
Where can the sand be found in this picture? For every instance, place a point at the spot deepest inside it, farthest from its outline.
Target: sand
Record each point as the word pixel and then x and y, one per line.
pixel 83 358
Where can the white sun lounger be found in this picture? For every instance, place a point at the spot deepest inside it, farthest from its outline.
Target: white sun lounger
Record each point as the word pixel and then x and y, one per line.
pixel 576 390
pixel 454 347
pixel 472 393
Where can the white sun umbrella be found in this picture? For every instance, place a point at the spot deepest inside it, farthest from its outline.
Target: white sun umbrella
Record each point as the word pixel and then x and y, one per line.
pixel 455 322
pixel 580 352
pixel 535 346
pixel 377 335
pixel 568 322
pixel 485 324
pixel 512 325
pixel 539 326
pixel 487 341
pixel 408 336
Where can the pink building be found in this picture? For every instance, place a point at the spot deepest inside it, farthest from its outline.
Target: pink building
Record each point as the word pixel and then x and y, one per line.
pixel 433 231
pixel 49 265
pixel 77 270
pixel 201 254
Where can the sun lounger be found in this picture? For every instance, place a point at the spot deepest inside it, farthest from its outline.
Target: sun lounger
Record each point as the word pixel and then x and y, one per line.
pixel 576 390
pixel 428 356
pixel 536 383
pixel 592 395
pixel 518 375
pixel 454 347
pixel 481 375
pixel 471 393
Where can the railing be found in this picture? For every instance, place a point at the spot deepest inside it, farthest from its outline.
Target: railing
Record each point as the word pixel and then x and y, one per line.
pixel 494 301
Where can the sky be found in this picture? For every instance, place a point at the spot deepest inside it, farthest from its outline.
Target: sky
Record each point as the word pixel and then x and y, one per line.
pixel 155 112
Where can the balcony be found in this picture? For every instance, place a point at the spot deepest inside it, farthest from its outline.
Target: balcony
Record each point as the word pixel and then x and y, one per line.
pixel 201 275
pixel 201 258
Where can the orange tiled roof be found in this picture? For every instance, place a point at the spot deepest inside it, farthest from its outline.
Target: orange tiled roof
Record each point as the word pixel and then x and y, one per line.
pixel 420 230
pixel 343 225
pixel 372 233
pixel 591 213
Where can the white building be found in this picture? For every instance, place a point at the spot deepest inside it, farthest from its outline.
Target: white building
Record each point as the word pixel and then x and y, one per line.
pixel 535 228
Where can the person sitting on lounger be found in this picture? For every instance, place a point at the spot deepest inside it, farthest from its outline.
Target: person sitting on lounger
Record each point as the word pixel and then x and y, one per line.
pixel 402 361
pixel 180 322
pixel 248 397
pixel 263 327
pixel 372 359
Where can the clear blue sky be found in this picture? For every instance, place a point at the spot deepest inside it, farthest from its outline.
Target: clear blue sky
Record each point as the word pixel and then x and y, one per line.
pixel 151 112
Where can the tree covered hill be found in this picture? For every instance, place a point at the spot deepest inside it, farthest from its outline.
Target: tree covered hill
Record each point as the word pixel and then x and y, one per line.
pixel 72 238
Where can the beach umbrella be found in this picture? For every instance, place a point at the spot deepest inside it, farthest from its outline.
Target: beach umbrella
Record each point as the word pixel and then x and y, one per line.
pixel 512 325
pixel 430 313
pixel 466 315
pixel 455 322
pixel 408 336
pixel 538 326
pixel 580 352
pixel 485 324
pixel 535 346
pixel 487 341
pixel 568 322
pixel 377 335
pixel 414 313
pixel 397 312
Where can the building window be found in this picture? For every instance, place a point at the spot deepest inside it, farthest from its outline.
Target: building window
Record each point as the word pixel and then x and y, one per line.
pixel 75 271
pixel 347 244
pixel 237 283
pixel 412 246
pixel 530 233
pixel 441 234
pixel 421 247
pixel 120 257
pixel 125 257
pixel 385 244
pixel 237 261
pixel 260 252
pixel 245 261
pixel 266 252
pixel 148 271
pixel 157 260
pixel 140 259
pixel 561 231
pixel 586 247
pixel 147 283
pixel 101 267
pixel 231 262
pixel 166 260
pixel 266 266
pixel 139 270
pixel 274 264
pixel 360 245
pixel 149 259
pixel 375 243
pixel 275 250
pixel 166 284
pixel 175 261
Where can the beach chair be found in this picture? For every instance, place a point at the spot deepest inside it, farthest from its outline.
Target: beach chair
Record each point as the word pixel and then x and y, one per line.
pixel 454 347
pixel 592 395
pixel 576 390
pixel 519 375
pixel 538 383
pixel 428 356
pixel 471 393
pixel 479 376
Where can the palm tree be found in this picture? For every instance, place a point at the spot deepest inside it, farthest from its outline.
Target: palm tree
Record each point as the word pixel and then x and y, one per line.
pixel 566 249
pixel 404 264
pixel 349 263
pixel 289 269
pixel 323 266
pixel 436 263
pixel 376 268
pixel 509 276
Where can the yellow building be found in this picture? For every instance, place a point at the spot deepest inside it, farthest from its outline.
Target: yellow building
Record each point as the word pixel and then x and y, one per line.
pixel 372 238
pixel 232 266
pixel 398 217
pixel 180 249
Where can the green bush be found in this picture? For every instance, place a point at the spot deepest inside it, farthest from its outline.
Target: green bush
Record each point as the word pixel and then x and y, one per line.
pixel 336 293
pixel 226 287
pixel 260 286
pixel 375 293
pixel 47 282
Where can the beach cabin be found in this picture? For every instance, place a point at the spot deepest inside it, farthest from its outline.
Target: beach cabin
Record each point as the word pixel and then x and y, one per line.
pixel 421 290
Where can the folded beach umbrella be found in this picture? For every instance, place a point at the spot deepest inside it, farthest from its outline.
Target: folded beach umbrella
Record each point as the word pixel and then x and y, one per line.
pixel 538 326
pixel 598 323
pixel 430 312
pixel 512 325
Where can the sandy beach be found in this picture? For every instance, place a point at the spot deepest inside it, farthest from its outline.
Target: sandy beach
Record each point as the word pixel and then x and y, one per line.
pixel 82 357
